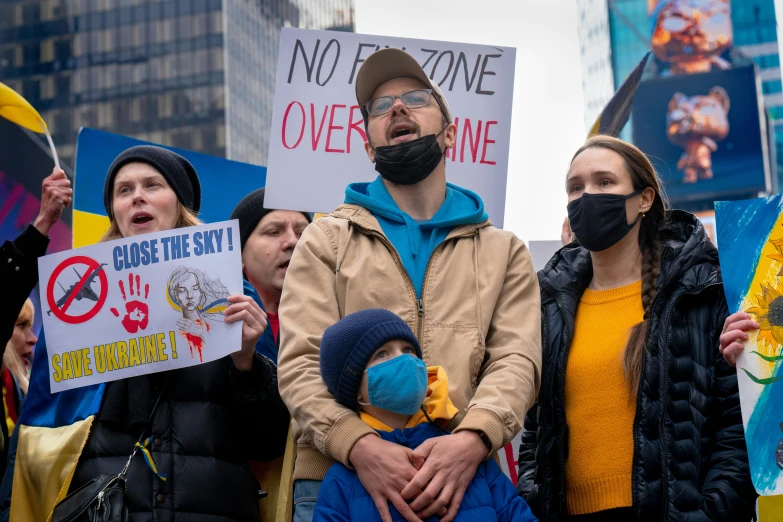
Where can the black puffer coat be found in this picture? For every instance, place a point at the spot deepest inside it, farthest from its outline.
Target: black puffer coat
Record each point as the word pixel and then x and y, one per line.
pixel 690 460
pixel 210 421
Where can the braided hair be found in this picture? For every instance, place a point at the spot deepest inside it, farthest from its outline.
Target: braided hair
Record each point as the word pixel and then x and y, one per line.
pixel 643 175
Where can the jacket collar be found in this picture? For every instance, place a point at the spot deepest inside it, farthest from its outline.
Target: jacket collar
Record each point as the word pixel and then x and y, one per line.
pixel 688 259
pixel 363 218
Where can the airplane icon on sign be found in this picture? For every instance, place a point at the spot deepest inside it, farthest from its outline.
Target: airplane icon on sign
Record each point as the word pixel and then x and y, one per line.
pixel 85 292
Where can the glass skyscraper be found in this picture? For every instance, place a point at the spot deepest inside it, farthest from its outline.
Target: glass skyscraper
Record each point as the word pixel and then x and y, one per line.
pixel 194 74
pixel 595 47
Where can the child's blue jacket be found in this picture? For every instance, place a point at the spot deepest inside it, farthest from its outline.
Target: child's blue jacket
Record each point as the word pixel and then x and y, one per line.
pixel 490 497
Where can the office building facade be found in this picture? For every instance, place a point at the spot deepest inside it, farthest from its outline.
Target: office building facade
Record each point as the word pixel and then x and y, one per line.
pixel 194 74
pixel 595 47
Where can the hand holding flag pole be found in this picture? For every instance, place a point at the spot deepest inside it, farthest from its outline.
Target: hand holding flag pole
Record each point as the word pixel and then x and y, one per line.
pixel 18 110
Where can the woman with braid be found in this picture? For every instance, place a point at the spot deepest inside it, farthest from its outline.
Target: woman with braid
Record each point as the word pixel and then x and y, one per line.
pixel 638 417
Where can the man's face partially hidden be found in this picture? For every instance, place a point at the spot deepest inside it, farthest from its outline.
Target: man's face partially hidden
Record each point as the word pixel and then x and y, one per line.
pixel 268 250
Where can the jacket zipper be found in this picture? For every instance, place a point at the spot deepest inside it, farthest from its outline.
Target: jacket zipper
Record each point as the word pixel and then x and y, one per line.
pixel 664 464
pixel 561 366
pixel 420 301
pixel 420 308
pixel 398 261
pixel 634 463
pixel 664 452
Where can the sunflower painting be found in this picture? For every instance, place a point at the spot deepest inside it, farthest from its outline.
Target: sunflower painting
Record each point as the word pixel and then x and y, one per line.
pixel 769 315
pixel 750 236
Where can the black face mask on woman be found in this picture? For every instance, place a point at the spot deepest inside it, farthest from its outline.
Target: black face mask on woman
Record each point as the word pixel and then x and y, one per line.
pixel 599 221
pixel 409 162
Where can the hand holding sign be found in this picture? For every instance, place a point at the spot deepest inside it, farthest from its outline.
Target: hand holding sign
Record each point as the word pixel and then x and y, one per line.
pixel 243 308
pixel 167 289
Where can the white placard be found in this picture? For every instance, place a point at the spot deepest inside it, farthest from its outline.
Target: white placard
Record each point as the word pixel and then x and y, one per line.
pixel 317 141
pixel 140 305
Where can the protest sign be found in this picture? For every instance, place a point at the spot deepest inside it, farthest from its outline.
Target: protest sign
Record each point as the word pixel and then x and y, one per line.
pixel 750 243
pixel 317 140
pixel 141 304
pixel 509 458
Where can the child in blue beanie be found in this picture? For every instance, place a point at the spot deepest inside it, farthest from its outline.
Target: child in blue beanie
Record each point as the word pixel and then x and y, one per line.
pixel 372 363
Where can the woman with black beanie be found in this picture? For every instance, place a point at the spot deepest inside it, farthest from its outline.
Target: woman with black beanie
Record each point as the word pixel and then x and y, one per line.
pixel 210 419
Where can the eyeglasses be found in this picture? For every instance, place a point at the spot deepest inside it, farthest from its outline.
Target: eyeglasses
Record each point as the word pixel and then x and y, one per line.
pixel 411 100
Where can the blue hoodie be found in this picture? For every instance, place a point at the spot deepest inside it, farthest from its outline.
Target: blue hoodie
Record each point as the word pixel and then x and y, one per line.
pixel 416 240
pixel 266 344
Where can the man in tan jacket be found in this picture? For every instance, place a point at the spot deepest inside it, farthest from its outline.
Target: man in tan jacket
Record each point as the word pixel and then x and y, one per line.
pixel 425 250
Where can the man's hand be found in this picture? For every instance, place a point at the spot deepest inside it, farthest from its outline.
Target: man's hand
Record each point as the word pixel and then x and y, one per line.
pixel 451 463
pixel 243 308
pixel 384 469
pixel 56 194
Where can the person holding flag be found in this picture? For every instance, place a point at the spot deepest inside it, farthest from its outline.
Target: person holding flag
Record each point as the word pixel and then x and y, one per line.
pixel 19 266
pixel 200 424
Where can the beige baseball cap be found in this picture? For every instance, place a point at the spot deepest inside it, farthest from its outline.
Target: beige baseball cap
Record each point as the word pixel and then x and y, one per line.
pixel 386 64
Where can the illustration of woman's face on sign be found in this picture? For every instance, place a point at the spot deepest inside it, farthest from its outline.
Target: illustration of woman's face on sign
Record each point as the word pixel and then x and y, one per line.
pixel 189 293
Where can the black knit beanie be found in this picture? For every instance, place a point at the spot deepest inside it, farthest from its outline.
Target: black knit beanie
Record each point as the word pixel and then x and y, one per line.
pixel 346 348
pixel 179 173
pixel 250 211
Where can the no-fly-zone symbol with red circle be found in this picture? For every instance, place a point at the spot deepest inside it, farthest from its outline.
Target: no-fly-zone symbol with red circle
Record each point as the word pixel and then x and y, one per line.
pixel 81 289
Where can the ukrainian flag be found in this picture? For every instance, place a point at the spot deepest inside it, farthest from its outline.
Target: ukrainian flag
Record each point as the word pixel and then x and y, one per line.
pixel 616 113
pixel 50 436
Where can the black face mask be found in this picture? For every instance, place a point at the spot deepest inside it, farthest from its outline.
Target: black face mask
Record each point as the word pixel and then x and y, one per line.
pixel 409 162
pixel 599 221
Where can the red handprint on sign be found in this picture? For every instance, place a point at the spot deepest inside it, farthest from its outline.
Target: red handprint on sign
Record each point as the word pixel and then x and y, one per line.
pixel 136 312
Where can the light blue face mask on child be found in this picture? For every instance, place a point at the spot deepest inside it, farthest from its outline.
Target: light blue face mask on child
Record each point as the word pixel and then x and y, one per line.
pixel 399 385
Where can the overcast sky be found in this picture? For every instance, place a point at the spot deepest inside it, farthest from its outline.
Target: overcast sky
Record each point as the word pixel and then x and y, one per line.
pixel 547 120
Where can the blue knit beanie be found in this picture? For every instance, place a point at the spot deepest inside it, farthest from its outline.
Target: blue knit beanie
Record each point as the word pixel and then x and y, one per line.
pixel 346 348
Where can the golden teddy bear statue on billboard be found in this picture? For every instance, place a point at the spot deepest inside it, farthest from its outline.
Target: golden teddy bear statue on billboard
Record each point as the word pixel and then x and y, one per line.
pixel 696 123
pixel 690 35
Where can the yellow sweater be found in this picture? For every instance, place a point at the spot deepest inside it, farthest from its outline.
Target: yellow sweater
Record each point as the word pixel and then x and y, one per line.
pixel 599 407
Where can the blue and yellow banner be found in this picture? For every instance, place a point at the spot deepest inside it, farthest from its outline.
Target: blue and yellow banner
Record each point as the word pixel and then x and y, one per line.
pixel 223 182
pixel 750 239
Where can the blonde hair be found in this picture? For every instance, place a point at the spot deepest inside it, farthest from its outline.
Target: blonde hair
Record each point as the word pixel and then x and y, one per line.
pixel 11 360
pixel 185 218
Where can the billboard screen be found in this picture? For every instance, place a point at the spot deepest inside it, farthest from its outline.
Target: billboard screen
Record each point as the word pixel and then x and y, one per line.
pixel 704 134
pixel 691 36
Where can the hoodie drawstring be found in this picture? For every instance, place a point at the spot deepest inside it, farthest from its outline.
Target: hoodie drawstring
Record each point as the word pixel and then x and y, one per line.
pixel 414 234
pixel 424 411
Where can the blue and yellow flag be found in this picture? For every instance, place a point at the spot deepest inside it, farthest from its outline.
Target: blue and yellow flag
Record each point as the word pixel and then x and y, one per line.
pixel 616 113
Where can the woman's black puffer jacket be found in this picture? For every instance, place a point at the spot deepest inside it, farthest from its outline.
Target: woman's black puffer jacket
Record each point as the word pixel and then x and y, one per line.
pixel 210 421
pixel 690 461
